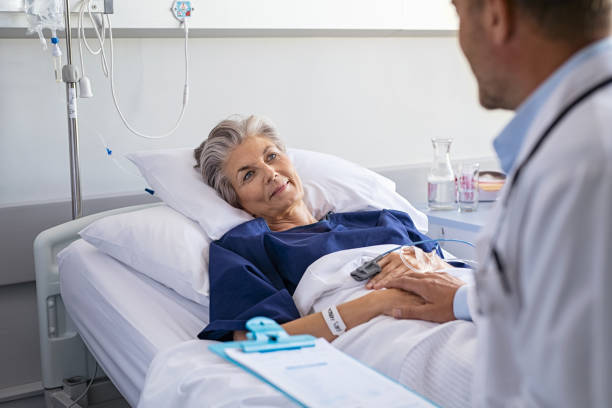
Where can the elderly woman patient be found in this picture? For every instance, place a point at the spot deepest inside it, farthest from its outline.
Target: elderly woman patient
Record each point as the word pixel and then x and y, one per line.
pixel 256 267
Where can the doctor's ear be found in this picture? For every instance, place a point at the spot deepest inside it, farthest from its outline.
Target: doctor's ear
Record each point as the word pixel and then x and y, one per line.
pixel 498 20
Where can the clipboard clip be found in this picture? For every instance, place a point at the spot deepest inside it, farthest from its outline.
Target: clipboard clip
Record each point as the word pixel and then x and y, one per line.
pixel 267 335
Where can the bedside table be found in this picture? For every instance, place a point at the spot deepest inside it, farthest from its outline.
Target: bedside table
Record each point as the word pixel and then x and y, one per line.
pixel 452 224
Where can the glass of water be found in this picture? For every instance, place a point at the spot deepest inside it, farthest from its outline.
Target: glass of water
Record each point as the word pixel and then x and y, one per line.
pixel 467 186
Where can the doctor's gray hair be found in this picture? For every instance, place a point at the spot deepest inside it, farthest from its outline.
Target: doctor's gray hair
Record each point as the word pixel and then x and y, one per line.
pixel 212 154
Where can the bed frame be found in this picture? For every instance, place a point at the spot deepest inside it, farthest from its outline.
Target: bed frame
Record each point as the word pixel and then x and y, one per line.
pixel 64 355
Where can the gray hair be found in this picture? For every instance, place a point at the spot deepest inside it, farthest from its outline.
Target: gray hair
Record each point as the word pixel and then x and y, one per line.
pixel 212 154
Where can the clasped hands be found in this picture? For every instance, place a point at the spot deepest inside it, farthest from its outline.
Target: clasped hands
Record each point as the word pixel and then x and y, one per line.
pixel 418 295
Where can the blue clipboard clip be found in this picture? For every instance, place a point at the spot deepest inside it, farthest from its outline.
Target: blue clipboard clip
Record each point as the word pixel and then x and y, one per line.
pixel 265 335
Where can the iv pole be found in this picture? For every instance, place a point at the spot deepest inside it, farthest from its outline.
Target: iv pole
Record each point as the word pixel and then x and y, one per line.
pixel 70 76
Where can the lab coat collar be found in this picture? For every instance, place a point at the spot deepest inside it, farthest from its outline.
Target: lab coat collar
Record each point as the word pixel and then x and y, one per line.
pixel 510 141
pixel 594 66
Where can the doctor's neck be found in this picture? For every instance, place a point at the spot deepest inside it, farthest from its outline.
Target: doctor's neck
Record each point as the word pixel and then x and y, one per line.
pixel 539 58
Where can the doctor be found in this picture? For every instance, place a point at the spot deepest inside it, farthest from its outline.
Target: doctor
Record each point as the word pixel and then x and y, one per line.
pixel 543 297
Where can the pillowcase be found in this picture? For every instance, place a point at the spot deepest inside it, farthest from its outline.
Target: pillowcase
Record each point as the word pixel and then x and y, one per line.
pixel 158 242
pixel 171 175
pixel 334 184
pixel 330 184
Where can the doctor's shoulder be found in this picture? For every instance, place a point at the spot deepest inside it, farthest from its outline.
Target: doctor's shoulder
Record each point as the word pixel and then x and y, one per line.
pixel 583 141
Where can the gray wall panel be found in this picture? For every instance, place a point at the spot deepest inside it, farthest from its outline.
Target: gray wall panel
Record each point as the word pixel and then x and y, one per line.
pixel 31 402
pixel 19 226
pixel 19 346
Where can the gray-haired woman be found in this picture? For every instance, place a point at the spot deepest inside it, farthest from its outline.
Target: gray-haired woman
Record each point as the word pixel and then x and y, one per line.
pixel 255 268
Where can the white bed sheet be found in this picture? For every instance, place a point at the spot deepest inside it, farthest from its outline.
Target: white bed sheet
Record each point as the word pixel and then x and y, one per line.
pixel 435 360
pixel 124 317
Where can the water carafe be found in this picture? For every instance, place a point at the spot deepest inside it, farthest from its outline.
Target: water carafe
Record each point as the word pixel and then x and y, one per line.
pixel 441 187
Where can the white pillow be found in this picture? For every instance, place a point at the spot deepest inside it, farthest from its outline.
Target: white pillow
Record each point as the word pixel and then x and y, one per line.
pixel 330 184
pixel 160 243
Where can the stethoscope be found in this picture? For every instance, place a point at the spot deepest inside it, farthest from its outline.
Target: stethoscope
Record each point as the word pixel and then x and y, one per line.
pixel 494 254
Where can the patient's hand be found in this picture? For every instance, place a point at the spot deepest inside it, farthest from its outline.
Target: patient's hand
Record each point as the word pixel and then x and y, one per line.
pixel 393 266
pixel 240 335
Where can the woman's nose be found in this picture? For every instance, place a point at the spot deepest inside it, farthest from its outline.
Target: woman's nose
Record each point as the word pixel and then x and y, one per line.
pixel 270 173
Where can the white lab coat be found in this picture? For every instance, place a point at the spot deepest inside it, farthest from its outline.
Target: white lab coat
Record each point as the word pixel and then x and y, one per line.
pixel 549 342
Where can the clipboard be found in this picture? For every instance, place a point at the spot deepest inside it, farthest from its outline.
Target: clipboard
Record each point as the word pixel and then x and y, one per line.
pixel 311 372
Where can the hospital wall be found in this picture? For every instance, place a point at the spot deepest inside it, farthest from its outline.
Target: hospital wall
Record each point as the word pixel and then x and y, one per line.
pixel 375 101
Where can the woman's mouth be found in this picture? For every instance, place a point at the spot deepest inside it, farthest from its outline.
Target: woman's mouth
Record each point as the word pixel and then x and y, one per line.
pixel 280 188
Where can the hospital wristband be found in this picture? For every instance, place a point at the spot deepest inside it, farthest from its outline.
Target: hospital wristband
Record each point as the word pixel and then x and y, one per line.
pixel 334 321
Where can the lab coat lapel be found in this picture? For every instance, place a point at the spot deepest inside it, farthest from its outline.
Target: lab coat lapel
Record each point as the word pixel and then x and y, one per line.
pixel 490 389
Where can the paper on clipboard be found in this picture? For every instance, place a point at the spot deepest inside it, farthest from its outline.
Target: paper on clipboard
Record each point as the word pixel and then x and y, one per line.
pixel 322 376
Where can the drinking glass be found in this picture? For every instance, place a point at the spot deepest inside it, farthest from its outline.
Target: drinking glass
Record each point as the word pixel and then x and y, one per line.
pixel 467 186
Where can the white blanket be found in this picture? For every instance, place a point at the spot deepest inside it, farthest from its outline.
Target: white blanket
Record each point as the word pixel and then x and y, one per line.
pixel 435 360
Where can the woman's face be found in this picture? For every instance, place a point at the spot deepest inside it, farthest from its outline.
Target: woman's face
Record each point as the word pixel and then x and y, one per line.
pixel 264 178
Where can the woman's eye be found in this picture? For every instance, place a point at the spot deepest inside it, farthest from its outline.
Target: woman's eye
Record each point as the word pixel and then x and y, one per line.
pixel 272 156
pixel 248 175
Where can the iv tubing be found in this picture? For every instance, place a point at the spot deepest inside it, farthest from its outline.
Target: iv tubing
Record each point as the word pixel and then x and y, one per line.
pixel 83 38
pixel 112 78
pixel 379 257
pixel 185 90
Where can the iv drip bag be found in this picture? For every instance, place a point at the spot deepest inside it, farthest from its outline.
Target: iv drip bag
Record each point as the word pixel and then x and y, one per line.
pixel 44 14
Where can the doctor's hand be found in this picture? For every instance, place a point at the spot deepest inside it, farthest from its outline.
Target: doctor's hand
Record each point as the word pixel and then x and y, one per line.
pixel 437 289
pixel 398 303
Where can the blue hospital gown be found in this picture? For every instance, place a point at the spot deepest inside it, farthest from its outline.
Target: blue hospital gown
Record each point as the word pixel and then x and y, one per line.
pixel 254 271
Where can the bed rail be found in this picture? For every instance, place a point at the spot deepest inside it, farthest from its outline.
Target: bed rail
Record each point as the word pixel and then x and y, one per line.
pixel 63 353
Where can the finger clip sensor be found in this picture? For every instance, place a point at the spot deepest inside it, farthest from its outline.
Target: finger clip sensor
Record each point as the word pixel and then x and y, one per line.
pixel 366 270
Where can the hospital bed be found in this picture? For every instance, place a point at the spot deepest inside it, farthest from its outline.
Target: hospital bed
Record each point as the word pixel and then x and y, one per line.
pixel 110 307
pixel 142 334
pixel 126 320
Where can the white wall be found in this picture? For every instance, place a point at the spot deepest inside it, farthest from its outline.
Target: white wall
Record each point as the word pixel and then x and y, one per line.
pixel 137 15
pixel 376 101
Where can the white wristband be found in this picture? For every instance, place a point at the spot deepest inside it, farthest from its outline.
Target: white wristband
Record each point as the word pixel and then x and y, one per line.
pixel 334 321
